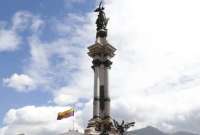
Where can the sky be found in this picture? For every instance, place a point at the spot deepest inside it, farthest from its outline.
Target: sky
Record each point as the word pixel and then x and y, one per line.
pixel 45 68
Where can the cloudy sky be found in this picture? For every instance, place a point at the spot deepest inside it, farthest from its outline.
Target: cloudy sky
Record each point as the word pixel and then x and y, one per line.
pixel 155 76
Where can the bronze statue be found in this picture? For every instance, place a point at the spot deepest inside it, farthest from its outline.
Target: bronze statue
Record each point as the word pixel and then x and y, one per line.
pixel 101 21
pixel 123 127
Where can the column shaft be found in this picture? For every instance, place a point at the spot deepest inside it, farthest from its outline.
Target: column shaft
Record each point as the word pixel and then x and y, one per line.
pixel 96 92
pixel 107 96
pixel 102 90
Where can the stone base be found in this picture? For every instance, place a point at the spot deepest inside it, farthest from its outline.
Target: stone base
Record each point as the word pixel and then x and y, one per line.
pixel 90 131
pixel 96 126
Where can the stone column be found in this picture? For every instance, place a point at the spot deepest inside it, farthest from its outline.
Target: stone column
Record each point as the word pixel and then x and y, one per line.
pixel 102 90
pixel 96 92
pixel 107 96
pixel 107 64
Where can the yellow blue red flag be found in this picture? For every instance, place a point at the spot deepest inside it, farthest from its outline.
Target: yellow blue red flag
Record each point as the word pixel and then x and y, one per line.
pixel 65 114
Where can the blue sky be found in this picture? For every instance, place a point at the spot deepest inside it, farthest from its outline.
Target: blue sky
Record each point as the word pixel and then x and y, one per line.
pixel 13 61
pixel 45 68
pixel 42 7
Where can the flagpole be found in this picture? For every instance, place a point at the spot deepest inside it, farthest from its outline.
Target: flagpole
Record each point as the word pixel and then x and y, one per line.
pixel 73 122
pixel 73 117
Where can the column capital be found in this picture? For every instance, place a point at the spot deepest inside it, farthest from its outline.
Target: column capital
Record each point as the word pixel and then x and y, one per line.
pixel 97 62
pixel 107 63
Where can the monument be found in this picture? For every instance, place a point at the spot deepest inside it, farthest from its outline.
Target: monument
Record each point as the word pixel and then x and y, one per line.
pixel 101 52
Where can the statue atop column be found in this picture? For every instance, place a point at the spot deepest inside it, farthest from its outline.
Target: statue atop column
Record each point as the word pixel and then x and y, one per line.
pixel 101 21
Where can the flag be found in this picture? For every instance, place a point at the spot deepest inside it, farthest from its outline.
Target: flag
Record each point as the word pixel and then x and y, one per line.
pixel 65 114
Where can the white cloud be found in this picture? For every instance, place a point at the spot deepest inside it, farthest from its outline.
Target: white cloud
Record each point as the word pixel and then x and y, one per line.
pixel 36 121
pixel 20 82
pixel 53 63
pixel 9 40
pixel 37 24
pixel 24 19
pixel 64 99
pixel 152 45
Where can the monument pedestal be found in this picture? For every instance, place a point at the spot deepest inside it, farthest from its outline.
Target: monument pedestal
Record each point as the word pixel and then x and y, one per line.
pixel 97 126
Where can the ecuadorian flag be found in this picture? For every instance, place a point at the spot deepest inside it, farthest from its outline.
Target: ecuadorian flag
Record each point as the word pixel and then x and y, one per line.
pixel 65 114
